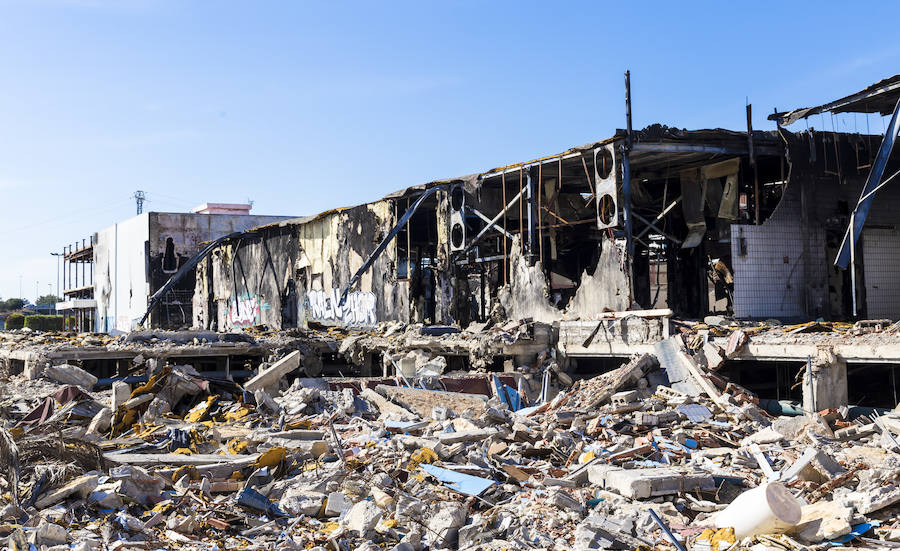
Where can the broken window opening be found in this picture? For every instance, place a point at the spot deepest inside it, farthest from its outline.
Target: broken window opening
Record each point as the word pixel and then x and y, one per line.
pixel 170 261
pixel 873 385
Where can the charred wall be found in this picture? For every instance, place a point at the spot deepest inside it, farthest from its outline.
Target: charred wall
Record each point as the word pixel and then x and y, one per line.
pixel 294 274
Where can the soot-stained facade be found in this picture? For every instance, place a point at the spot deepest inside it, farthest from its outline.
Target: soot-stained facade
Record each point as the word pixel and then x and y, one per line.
pixel 136 257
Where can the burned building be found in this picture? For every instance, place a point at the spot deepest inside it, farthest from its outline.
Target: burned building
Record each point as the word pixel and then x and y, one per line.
pixel 614 243
pixel 135 258
pixel 529 240
pixel 700 222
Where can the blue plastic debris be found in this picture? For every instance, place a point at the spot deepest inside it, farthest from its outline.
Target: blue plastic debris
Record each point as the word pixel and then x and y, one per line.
pixel 507 394
pixel 461 482
pixel 855 532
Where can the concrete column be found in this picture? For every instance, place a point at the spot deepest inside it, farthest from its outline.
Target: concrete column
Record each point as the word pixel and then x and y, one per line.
pixel 825 382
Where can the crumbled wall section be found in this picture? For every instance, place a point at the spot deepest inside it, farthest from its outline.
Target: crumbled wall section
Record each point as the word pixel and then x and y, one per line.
pixel 526 294
pixel 300 278
pixel 443 269
pixel 248 283
pixel 334 248
pixel 605 290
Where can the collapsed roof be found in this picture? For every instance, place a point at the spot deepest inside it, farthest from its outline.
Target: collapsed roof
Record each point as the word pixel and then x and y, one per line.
pixel 880 97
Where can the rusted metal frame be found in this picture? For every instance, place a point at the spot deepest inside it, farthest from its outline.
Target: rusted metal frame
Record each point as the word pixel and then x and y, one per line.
pixel 521 214
pixel 626 187
pixel 558 217
pixel 387 239
pixel 872 181
pixel 576 223
pixel 496 219
pixel 530 164
pixel 835 106
pixel 532 217
pixel 503 180
pixel 655 227
pixel 661 215
pixel 540 199
pixel 588 176
pixel 490 223
pixel 752 155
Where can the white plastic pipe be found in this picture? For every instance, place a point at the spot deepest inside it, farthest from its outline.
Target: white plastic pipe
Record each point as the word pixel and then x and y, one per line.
pixel 767 509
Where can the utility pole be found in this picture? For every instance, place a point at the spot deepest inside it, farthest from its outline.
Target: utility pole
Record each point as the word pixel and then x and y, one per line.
pixel 139 197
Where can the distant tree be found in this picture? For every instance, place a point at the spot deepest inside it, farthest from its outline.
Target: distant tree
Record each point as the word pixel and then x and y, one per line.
pixel 12 304
pixel 47 300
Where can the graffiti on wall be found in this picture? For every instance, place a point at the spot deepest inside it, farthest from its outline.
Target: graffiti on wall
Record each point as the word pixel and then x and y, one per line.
pixel 357 311
pixel 244 312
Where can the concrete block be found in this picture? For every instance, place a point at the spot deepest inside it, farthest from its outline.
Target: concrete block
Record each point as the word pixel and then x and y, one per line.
pixel 565 501
pixel 644 483
pixel 138 400
pixel 715 357
pixel 71 375
pixel 444 524
pixel 478 435
pixel 121 391
pixel 855 432
pixel 597 472
pixel 50 534
pixel 337 504
pixel 297 502
pixel 274 373
pixel 875 499
pixel 624 398
pixel 647 419
pixel 362 518
pixel 100 422
pixel 81 486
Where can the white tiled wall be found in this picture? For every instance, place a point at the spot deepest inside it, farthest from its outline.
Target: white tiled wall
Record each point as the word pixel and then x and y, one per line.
pixel 881 256
pixel 768 278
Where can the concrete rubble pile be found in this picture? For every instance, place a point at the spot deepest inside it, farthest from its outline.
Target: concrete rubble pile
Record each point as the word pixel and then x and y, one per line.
pixel 659 453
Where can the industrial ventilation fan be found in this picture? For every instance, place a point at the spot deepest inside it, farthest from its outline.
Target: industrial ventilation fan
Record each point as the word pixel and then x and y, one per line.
pixel 457 222
pixel 605 171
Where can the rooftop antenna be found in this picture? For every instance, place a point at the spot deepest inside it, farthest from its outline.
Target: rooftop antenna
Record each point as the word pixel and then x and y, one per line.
pixel 250 202
pixel 139 197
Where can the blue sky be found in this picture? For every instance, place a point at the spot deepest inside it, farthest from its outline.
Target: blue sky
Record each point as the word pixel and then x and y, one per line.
pixel 304 106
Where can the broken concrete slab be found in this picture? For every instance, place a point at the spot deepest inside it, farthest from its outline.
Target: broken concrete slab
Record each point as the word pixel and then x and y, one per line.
pixel 645 483
pixel 385 406
pixel 269 377
pixel 422 402
pixel 81 487
pixel 71 375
